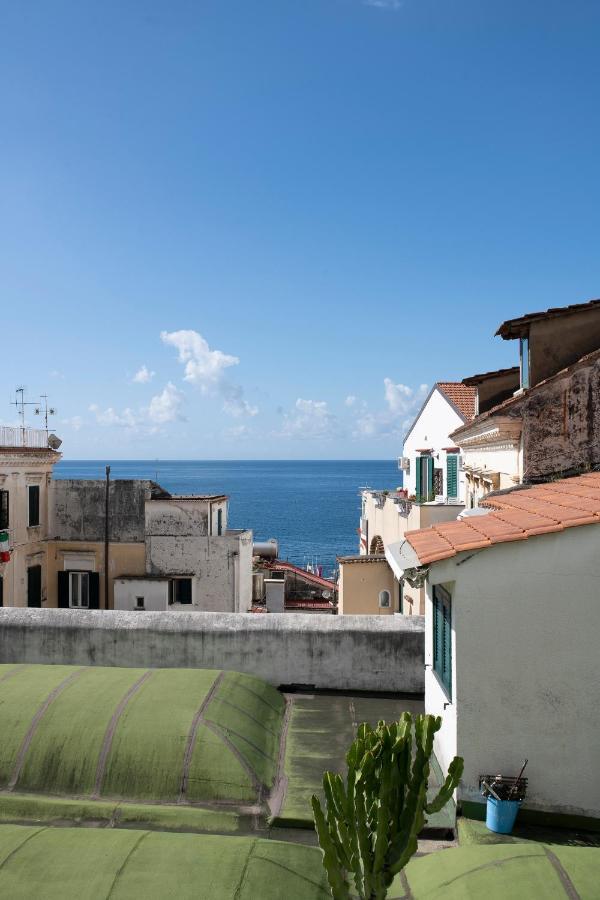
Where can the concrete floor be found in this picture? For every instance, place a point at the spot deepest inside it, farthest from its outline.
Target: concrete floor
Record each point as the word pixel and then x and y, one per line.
pixel 320 729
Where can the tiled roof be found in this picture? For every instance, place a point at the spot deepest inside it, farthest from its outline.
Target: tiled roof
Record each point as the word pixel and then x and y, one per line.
pixel 512 328
pixel 517 516
pixel 461 395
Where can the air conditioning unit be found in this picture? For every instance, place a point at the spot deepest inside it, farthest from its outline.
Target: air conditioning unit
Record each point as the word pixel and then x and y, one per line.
pixel 404 463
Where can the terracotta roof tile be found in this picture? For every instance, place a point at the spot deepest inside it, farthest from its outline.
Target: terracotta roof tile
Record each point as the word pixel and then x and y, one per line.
pixel 461 395
pixel 516 516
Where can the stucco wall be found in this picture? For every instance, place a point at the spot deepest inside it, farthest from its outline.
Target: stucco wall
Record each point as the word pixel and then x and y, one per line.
pixel 383 653
pixel 559 342
pixel 526 620
pixel 360 584
pixel 154 591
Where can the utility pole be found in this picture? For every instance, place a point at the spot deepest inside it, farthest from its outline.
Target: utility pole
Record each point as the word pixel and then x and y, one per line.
pixel 106 538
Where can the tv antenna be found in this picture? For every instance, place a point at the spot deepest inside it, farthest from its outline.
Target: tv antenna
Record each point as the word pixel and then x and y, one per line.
pixel 40 409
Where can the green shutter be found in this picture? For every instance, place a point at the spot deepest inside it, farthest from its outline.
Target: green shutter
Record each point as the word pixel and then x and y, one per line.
pixel 429 478
pixel 418 477
pixel 452 475
pixel 442 637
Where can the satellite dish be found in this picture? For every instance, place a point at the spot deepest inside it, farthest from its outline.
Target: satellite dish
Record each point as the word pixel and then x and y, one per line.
pixel 326 595
pixel 54 442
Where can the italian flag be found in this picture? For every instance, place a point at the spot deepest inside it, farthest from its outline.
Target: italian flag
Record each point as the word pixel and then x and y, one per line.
pixel 4 551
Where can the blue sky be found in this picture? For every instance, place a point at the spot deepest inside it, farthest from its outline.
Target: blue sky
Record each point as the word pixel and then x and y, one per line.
pixel 256 230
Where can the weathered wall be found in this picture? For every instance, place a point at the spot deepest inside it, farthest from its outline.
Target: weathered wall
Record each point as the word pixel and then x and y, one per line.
pixel 77 510
pixel 383 653
pixel 525 624
pixel 561 423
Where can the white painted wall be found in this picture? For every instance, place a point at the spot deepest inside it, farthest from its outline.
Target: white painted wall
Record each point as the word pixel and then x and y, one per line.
pixel 154 592
pixel 526 620
pixel 436 422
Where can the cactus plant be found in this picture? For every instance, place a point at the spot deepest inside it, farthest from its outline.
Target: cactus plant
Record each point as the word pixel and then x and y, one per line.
pixel 370 829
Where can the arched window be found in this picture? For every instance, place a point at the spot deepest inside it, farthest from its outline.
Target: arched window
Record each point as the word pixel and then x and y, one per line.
pixel 377 545
pixel 384 599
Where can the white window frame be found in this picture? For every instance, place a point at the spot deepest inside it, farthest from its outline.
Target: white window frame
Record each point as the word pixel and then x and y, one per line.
pixel 79 576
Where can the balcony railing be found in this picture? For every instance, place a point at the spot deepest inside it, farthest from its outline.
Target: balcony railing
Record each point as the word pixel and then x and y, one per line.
pixel 23 437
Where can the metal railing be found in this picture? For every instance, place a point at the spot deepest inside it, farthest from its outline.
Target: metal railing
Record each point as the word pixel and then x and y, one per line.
pixel 11 436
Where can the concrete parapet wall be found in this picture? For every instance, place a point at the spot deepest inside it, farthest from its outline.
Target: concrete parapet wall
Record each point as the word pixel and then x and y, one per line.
pixel 367 653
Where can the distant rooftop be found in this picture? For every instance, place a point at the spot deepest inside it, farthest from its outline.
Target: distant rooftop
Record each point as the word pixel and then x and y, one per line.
pixel 194 497
pixel 514 328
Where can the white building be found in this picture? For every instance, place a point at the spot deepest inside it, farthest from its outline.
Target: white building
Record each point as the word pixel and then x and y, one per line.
pixel 433 491
pixel 511 649
pixel 193 561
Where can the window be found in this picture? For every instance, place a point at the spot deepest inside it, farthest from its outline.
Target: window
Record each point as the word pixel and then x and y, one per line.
pixel 524 361
pixel 139 603
pixel 1 591
pixel 34 505
pixel 442 637
pixel 452 475
pixel 219 522
pixel 401 596
pixel 4 517
pixel 180 590
pixel 424 479
pixel 438 482
pixel 79 590
pixel 384 599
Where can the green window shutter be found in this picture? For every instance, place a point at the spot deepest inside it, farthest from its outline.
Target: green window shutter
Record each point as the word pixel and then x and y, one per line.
pixel 452 475
pixel 429 477
pixel 94 590
pixel 418 477
pixel 442 637
pixel 63 590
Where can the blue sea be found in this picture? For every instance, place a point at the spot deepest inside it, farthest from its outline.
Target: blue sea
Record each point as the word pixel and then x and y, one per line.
pixel 312 507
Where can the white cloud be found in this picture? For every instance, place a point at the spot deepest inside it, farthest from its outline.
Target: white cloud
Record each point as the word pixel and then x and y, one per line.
pixel 205 368
pixel 75 422
pixel 143 375
pixel 109 416
pixel 402 403
pixel 166 406
pixel 309 419
pixel 350 400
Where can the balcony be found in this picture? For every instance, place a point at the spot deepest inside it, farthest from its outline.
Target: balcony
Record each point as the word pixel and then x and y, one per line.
pixel 30 438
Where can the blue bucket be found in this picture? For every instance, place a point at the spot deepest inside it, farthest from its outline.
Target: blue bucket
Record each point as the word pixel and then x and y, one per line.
pixel 501 815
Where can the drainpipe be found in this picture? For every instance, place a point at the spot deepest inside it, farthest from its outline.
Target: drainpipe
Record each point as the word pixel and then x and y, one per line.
pixel 106 538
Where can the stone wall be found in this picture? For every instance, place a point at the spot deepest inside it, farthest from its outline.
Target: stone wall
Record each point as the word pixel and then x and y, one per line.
pixel 366 653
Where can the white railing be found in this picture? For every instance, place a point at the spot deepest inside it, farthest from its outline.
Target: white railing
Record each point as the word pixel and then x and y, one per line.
pixel 23 437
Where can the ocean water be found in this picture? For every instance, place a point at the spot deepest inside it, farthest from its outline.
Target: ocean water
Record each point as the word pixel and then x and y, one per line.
pixel 312 507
